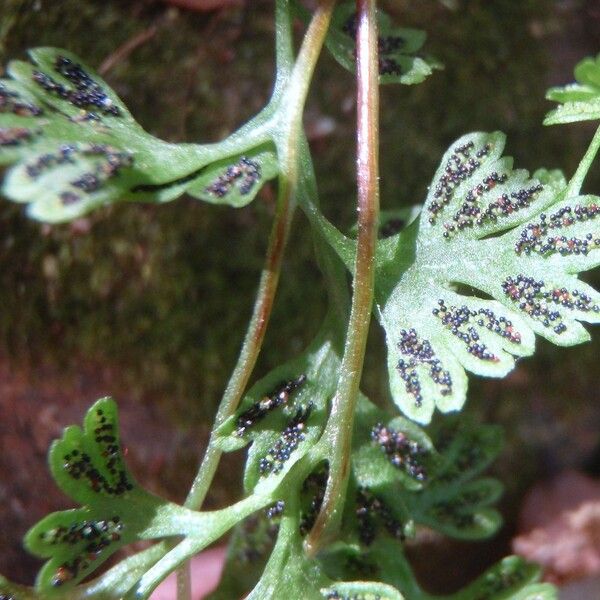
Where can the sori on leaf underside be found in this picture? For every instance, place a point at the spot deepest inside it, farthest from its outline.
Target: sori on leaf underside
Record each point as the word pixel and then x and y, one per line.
pixel 492 260
pixel 76 147
pixel 401 478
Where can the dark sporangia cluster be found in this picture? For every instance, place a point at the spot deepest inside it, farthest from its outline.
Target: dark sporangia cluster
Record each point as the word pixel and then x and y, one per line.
pixel 95 535
pixel 313 487
pixel 65 154
pixel 259 410
pixel 420 353
pixel 472 213
pixel 104 436
pixel 78 464
pixel 11 102
pixel 85 118
pixel 279 453
pixel 254 414
pixel 361 566
pixel 334 595
pixel 469 456
pixel 392 227
pixel 453 512
pixel 68 571
pixel 528 294
pixel 7 597
pixel 401 451
pixel 370 511
pixel 537 237
pixel 496 583
pixel 109 162
pixel 275 510
pixel 257 537
pixel 244 174
pixel 85 93
pixel 14 136
pixel 461 165
pixel 460 321
pixel 387 46
pixel 534 299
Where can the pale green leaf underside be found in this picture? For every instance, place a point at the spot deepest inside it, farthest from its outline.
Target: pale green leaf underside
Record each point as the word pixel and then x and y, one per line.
pixel 572 112
pixel 75 147
pixel 283 433
pixel 492 261
pixel 289 573
pixel 579 101
pixel 365 590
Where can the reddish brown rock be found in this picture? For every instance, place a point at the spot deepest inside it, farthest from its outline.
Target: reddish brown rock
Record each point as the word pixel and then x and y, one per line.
pixel 560 525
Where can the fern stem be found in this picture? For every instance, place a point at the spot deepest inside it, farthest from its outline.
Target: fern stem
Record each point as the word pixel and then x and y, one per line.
pixel 288 180
pixel 210 527
pixel 263 303
pixel 574 187
pixel 250 347
pixel 338 433
pixel 288 142
pixel 184 582
pixel 284 45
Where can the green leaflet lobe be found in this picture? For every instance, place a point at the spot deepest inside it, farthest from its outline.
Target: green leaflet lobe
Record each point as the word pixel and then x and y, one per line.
pixel 403 477
pixel 400 60
pixel 88 465
pixel 75 147
pixel 495 260
pixel 361 590
pixel 578 101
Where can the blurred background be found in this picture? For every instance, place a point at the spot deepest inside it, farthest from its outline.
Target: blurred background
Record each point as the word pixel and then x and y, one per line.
pixel 149 303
